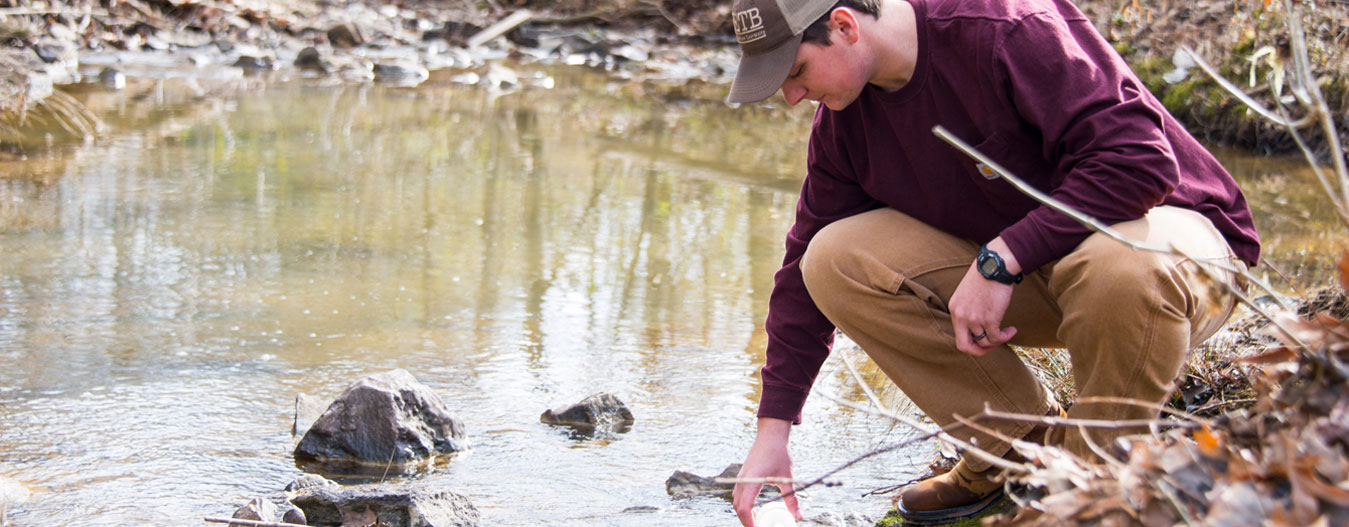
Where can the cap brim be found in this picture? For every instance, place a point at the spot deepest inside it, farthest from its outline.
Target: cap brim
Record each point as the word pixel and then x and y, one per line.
pixel 759 76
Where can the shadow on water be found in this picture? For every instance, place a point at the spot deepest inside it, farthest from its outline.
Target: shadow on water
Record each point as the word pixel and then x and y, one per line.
pixel 166 290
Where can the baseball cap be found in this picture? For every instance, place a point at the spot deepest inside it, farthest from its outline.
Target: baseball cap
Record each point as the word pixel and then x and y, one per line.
pixel 769 33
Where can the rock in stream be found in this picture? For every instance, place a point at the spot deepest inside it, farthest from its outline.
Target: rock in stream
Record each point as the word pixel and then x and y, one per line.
pixel 384 418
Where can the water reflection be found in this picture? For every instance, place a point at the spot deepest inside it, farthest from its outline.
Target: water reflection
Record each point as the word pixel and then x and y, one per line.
pixel 165 293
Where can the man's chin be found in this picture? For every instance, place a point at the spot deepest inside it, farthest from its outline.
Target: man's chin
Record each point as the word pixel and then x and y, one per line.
pixel 837 104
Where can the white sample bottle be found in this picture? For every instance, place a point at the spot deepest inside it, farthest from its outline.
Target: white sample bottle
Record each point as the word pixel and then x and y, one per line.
pixel 773 514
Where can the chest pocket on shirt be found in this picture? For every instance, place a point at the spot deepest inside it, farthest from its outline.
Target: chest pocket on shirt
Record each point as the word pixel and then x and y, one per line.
pixel 1022 160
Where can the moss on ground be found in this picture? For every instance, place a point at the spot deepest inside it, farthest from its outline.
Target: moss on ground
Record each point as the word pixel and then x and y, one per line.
pixel 1003 506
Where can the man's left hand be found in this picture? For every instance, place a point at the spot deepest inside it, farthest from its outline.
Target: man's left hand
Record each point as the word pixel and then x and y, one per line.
pixel 978 305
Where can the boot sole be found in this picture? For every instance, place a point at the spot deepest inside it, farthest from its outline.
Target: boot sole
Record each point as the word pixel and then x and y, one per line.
pixel 941 516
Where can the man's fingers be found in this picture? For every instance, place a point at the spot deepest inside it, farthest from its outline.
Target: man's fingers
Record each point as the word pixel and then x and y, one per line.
pixel 742 499
pixel 963 340
pixel 793 506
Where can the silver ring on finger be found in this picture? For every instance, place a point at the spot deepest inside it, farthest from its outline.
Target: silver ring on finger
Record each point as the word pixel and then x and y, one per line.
pixel 980 336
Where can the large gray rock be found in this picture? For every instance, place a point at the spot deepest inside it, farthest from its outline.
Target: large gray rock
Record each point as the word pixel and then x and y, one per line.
pixel 601 412
pixel 384 418
pixel 389 504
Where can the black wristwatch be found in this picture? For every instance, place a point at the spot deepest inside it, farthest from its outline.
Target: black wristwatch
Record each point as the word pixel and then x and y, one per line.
pixel 993 268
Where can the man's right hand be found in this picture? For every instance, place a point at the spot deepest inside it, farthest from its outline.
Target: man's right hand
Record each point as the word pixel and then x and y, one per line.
pixel 768 458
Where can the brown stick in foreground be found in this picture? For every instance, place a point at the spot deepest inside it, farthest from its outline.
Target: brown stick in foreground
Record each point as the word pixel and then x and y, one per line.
pixel 254 523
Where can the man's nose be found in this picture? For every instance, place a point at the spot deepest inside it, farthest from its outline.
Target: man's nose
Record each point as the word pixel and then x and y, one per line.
pixel 793 92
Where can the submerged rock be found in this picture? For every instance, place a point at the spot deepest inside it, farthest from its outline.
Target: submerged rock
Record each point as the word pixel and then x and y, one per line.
pixel 383 418
pixel 391 505
pixel 602 412
pixel 253 62
pixel 401 72
pixel 683 484
pixel 111 78
pixel 310 59
pixel 346 35
pixel 309 481
pixel 270 511
pixel 258 509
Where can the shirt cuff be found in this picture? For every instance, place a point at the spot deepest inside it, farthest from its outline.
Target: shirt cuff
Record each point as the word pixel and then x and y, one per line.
pixel 782 403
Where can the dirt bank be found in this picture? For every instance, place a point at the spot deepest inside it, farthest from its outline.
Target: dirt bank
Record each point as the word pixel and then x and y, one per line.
pixel 41 42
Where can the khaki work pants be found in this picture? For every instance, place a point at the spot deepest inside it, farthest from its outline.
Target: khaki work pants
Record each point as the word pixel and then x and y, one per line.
pixel 1128 317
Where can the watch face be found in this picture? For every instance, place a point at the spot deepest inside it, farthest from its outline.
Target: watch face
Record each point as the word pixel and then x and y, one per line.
pixel 988 266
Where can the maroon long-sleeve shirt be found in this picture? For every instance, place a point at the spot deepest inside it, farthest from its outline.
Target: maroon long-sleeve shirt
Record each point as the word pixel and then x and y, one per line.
pixel 1031 84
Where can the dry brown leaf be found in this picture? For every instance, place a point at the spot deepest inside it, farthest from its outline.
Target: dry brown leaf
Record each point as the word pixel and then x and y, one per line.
pixel 1208 443
pixel 1304 478
pixel 1273 356
pixel 1236 504
pixel 1344 270
pixel 1103 506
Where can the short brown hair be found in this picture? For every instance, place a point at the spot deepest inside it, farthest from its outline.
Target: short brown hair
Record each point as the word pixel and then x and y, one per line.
pixel 818 32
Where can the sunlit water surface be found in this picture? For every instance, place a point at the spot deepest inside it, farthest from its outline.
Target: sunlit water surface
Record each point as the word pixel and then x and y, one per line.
pixel 167 290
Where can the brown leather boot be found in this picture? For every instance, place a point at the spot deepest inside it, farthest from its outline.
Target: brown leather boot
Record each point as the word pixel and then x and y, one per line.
pixel 963 492
pixel 960 493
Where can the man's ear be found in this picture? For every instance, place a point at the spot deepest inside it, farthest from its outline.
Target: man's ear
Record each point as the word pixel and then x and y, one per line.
pixel 845 20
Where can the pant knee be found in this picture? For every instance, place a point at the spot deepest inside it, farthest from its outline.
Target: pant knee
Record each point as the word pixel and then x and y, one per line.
pixel 826 260
pixel 1105 272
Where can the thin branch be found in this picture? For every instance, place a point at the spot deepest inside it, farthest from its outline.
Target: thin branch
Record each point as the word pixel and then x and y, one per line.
pixel 1095 225
pixel 1167 489
pixel 866 388
pixel 755 481
pixel 822 479
pixel 1220 404
pixel 1111 424
pixel 253 523
pixel 942 434
pixel 1100 452
pixel 1241 296
pixel 1158 407
pixel 1027 189
pixel 1242 96
pixel 1317 104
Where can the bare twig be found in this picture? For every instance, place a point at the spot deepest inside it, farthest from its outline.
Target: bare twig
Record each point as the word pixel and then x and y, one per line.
pixel 1241 296
pixel 1034 193
pixel 1168 490
pixel 766 481
pixel 1100 452
pixel 942 434
pixel 1242 96
pixel 253 523
pixel 866 388
pixel 1144 404
pixel 1315 101
pixel 500 28
pixel 1087 423
pixel 822 480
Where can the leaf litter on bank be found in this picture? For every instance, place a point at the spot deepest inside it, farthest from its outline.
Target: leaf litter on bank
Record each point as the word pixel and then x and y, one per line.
pixel 1284 460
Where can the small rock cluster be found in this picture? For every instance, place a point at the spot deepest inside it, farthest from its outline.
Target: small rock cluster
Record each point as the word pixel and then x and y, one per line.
pixel 391 419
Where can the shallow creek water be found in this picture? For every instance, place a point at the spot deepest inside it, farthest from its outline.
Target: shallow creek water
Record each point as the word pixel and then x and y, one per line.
pixel 167 290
